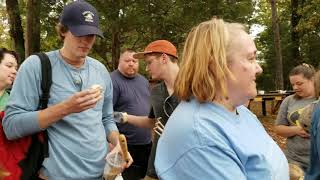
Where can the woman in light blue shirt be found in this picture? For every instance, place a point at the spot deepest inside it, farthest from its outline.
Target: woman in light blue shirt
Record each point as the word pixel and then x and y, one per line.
pixel 211 135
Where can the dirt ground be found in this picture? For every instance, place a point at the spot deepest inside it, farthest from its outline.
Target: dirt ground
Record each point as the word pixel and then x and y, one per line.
pixel 267 121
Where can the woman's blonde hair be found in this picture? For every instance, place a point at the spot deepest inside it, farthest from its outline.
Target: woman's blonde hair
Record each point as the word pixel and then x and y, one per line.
pixel 204 66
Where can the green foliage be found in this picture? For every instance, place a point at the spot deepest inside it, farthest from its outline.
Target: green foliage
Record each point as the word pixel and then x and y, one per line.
pixel 309 33
pixel 310 21
pixel 138 22
pixel 4 29
pixel 142 21
pixel 50 13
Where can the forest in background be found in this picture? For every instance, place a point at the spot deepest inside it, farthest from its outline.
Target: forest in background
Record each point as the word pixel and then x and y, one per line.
pixel 289 30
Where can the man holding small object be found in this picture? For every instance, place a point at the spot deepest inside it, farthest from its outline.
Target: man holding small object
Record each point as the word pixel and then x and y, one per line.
pixel 161 63
pixel 79 117
pixel 131 94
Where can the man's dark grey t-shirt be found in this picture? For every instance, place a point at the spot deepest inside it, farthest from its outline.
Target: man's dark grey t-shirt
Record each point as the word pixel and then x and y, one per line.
pixel 162 105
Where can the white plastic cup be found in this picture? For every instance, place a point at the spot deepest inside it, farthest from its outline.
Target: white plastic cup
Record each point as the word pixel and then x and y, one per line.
pixel 114 165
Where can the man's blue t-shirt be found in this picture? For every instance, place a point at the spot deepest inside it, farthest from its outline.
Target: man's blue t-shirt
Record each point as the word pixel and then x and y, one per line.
pixel 132 95
pixel 78 142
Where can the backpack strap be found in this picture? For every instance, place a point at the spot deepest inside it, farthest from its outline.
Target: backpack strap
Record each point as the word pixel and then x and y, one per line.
pixel 45 87
pixel 46 80
pixel 39 148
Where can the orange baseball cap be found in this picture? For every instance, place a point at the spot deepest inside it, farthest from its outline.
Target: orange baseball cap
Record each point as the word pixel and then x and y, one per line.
pixel 159 46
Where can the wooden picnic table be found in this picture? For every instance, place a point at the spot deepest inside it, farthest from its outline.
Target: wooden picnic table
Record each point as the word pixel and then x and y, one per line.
pixel 275 98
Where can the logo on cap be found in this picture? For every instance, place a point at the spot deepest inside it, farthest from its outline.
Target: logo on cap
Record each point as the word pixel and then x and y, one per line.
pixel 88 16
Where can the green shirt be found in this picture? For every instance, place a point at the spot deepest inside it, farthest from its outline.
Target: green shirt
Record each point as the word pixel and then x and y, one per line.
pixel 3 100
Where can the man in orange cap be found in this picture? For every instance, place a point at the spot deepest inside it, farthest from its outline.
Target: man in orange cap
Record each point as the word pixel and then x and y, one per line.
pixel 162 64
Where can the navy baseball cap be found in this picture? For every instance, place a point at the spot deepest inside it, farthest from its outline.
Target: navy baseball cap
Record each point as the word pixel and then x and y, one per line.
pixel 81 18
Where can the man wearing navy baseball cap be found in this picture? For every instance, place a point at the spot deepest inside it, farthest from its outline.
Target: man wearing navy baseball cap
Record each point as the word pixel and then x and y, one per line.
pixel 81 18
pixel 79 116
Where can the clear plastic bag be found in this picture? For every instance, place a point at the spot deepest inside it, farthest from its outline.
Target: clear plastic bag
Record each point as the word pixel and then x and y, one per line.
pixel 114 165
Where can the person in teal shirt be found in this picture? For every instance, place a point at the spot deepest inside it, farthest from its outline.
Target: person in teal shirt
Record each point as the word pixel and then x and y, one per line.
pixel 8 69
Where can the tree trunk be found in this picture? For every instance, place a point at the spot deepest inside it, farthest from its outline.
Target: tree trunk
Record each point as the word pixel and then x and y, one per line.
pixel 16 31
pixel 33 27
pixel 295 37
pixel 115 47
pixel 275 27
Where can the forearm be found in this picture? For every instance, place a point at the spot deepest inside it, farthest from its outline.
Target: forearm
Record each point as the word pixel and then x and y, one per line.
pixel 78 102
pixel 113 137
pixel 52 114
pixel 286 131
pixel 140 121
pixel 19 122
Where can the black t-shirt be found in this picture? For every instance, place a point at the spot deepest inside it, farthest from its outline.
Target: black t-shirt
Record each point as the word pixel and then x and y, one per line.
pixel 162 105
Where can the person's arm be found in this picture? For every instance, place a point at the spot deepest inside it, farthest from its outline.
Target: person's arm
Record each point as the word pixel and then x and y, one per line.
pixel 113 138
pixel 288 131
pixel 141 121
pixel 282 126
pixel 22 116
pixel 79 102
pixel 107 109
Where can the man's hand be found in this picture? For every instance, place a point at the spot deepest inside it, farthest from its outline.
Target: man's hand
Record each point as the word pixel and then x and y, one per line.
pixel 159 127
pixel 113 138
pixel 78 102
pixel 117 149
pixel 82 100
